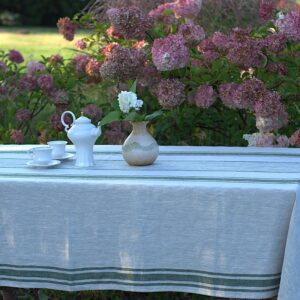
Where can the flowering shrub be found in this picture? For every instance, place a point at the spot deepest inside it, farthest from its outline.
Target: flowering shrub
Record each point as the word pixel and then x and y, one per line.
pixel 245 79
pixel 212 89
pixel 34 96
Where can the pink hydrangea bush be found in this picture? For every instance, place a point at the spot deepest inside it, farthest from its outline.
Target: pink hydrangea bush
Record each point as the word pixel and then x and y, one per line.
pixel 219 86
pixel 34 89
pixel 180 68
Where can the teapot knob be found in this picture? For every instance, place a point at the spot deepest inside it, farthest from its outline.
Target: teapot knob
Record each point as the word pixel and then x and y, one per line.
pixel 63 121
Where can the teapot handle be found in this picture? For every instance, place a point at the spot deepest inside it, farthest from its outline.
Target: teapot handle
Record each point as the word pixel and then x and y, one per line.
pixel 63 121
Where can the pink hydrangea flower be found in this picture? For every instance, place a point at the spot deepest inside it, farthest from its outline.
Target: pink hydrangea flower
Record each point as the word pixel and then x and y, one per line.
pixel 246 54
pixel 92 68
pixel 93 111
pixel 208 49
pixel 282 141
pixel 271 123
pixel 55 121
pixel 34 67
pixel 158 12
pixel 129 22
pixel 279 68
pixel 59 96
pixel 67 28
pixel 150 76
pixel 15 56
pixel 240 35
pixel 55 60
pixel 290 25
pixel 117 132
pixel 170 53
pixel 249 92
pixel 227 94
pixel 270 112
pixel 27 83
pixel 266 9
pixel 81 44
pixel 3 67
pixel 192 34
pixel 204 96
pixel 170 93
pixel 23 115
pixel 123 63
pixel 140 44
pixel 108 49
pixel 268 104
pixel 275 42
pixel 295 138
pixel 46 82
pixel 187 8
pixel 80 62
pixel 61 107
pixel 260 139
pixel 112 33
pixel 17 136
pixel 220 40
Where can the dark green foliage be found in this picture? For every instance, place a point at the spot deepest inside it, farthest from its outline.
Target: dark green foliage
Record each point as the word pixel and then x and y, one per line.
pixel 42 12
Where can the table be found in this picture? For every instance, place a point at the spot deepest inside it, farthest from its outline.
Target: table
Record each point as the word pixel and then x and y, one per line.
pixel 209 220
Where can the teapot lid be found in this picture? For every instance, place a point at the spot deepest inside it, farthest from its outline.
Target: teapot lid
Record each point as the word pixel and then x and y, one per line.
pixel 82 120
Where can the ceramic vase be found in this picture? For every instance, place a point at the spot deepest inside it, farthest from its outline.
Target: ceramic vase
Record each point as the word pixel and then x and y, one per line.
pixel 140 148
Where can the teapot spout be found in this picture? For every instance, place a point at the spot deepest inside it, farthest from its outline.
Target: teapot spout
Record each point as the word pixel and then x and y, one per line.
pixel 96 131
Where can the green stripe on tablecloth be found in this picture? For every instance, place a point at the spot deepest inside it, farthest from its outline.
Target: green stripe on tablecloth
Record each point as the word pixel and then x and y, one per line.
pixel 150 270
pixel 158 284
pixel 141 277
pixel 146 177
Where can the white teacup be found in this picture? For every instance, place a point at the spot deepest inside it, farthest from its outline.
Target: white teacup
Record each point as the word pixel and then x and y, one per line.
pixel 41 155
pixel 58 148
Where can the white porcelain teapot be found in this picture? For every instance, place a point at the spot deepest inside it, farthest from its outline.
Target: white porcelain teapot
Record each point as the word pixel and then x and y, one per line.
pixel 83 134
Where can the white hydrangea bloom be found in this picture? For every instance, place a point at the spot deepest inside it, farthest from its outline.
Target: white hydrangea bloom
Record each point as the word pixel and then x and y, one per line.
pixel 127 100
pixel 138 104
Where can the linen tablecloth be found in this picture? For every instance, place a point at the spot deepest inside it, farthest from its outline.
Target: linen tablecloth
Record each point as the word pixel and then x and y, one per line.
pixel 209 220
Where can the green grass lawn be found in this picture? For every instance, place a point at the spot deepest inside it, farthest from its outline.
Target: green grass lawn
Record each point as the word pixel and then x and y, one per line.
pixel 33 42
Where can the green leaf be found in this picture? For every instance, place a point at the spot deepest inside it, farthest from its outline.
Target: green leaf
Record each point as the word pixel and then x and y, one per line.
pixel 153 115
pixel 133 117
pixel 115 105
pixel 111 117
pixel 43 295
pixel 133 87
pixel 167 12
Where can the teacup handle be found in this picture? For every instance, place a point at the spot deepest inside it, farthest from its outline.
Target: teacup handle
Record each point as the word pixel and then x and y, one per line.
pixel 63 121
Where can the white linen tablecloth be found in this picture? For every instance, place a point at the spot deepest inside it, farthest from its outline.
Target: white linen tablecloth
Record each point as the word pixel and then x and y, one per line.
pixel 209 220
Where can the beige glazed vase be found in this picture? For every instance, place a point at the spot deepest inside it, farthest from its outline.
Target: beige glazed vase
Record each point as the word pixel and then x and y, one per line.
pixel 140 148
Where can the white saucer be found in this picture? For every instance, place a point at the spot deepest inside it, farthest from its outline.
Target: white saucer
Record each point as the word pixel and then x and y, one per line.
pixel 35 164
pixel 66 156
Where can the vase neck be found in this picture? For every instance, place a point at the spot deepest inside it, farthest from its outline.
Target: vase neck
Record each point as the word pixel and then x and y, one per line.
pixel 139 127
